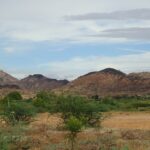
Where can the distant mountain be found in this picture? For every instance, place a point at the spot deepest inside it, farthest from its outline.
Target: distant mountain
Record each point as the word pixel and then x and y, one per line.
pixel 110 82
pixel 107 82
pixel 8 81
pixel 5 78
pixel 35 82
pixel 143 75
pixel 39 82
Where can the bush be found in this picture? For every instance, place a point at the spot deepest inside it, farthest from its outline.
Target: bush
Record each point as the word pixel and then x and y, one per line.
pixel 45 102
pixel 13 96
pixel 17 112
pixel 71 105
pixel 74 125
pixel 124 104
pixel 14 109
pixel 81 108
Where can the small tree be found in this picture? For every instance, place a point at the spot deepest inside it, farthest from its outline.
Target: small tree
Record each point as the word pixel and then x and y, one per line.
pixel 80 107
pixel 13 96
pixel 10 98
pixel 45 101
pixel 74 125
pixel 16 112
pixel 14 109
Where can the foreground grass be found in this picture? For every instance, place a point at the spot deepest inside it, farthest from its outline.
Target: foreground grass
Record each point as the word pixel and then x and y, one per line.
pixel 46 132
pixel 39 123
pixel 43 137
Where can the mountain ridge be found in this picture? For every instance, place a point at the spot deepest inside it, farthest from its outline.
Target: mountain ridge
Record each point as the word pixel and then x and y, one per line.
pixel 109 82
pixel 5 78
pixel 34 82
pixel 40 82
pixel 106 82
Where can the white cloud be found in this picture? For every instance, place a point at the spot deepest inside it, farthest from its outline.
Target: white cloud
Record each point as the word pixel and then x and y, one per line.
pixel 77 66
pixel 40 20
pixel 43 20
pixel 134 14
pixel 140 34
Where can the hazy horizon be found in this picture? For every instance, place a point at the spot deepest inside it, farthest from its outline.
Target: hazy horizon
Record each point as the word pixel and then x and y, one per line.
pixel 66 39
pixel 25 76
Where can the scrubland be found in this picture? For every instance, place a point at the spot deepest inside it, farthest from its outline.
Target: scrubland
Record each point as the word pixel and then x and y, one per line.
pixel 49 121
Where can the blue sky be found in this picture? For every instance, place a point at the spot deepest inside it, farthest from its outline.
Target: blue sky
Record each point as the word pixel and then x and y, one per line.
pixel 65 39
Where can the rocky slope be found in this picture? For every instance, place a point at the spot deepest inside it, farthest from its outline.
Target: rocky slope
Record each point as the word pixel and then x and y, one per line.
pixel 144 75
pixel 8 81
pixel 109 82
pixel 35 82
pixel 39 82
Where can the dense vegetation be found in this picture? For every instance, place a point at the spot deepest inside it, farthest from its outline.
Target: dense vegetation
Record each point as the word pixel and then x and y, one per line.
pixel 53 103
pixel 14 109
pixel 124 104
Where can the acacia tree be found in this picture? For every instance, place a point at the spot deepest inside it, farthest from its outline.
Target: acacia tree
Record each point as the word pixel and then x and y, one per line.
pixel 74 125
pixel 14 109
pixel 80 107
pixel 78 112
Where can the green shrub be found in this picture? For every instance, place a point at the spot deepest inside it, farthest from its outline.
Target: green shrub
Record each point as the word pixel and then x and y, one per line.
pixel 124 104
pixel 81 108
pixel 17 112
pixel 13 96
pixel 74 126
pixel 45 102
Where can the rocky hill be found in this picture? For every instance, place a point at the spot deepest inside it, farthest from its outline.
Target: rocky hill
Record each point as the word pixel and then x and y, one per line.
pixel 5 78
pixel 8 81
pixel 39 82
pixel 35 82
pixel 109 82
pixel 144 75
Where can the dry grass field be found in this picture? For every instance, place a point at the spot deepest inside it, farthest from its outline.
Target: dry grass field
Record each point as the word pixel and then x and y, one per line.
pixel 128 120
pixel 121 129
pixel 115 120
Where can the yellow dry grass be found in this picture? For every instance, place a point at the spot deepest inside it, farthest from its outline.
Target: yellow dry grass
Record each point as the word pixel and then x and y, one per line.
pixel 131 129
pixel 128 120
pixel 52 121
pixel 115 120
